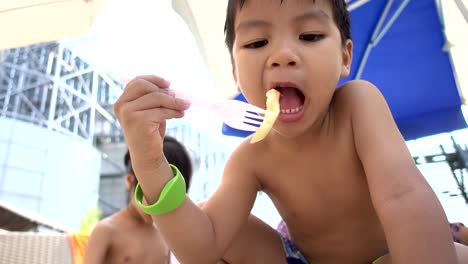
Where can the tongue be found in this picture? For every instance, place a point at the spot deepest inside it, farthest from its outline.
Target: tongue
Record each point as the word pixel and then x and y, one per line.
pixel 290 98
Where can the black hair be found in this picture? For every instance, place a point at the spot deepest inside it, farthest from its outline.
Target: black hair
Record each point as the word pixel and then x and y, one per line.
pixel 175 153
pixel 340 16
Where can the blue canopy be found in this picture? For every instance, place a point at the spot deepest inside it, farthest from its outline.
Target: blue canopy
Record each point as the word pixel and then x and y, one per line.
pixel 399 46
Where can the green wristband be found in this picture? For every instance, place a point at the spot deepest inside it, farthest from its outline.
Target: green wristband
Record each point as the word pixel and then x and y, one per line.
pixel 377 260
pixel 172 195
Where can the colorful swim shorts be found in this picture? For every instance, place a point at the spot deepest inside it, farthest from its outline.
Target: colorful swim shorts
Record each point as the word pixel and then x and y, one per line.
pixel 294 255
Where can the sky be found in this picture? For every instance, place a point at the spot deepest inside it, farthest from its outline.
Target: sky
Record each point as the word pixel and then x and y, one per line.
pixel 148 37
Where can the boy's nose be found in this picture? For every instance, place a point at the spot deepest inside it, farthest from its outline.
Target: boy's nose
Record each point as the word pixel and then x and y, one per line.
pixel 282 58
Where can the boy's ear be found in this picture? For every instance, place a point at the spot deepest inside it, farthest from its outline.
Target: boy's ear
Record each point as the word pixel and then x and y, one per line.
pixel 347 58
pixel 129 180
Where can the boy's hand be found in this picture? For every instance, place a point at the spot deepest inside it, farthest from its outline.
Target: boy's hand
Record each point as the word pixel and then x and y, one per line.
pixel 142 111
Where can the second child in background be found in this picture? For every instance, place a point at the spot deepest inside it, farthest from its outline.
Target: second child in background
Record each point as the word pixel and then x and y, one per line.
pixel 130 236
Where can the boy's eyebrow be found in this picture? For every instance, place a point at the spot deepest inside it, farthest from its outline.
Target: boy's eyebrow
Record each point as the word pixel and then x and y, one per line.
pixel 317 14
pixel 245 25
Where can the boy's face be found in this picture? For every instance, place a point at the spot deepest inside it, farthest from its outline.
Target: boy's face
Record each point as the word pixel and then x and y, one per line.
pixel 294 45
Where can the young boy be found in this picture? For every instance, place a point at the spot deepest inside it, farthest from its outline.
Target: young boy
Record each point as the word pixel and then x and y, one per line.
pixel 130 236
pixel 335 164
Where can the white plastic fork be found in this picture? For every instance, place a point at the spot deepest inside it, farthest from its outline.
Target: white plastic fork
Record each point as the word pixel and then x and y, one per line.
pixel 234 113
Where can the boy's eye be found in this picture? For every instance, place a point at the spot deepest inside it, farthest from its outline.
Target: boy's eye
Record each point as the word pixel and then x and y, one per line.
pixel 310 37
pixel 256 44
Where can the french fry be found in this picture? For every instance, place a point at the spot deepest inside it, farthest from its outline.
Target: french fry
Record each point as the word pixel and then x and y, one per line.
pixel 271 114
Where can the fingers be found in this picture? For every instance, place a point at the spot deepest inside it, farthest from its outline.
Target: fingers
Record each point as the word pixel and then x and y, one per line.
pixel 162 113
pixel 138 87
pixel 159 100
pixel 144 94
pixel 151 117
pixel 156 80
pixel 143 85
pixel 142 111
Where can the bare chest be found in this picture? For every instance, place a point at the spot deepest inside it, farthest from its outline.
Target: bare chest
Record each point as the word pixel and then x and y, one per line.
pixel 141 247
pixel 325 201
pixel 328 186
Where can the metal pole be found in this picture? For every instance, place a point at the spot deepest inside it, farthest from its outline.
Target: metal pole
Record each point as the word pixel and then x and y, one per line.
pixel 392 21
pixel 371 44
pixel 463 9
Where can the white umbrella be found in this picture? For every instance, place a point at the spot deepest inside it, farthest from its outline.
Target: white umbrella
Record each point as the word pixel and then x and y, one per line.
pixel 26 22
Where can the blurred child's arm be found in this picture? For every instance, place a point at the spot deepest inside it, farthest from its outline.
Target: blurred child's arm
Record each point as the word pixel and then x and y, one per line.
pixel 414 222
pixel 98 245
pixel 195 236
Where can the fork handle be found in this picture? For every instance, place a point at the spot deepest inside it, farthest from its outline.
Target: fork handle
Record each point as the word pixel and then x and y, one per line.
pixel 195 99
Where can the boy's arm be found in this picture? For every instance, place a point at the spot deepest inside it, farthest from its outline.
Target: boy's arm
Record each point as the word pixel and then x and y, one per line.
pixel 97 245
pixel 194 235
pixel 257 242
pixel 413 220
pixel 202 235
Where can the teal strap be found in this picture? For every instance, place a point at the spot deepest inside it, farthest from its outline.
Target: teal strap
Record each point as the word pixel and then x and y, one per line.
pixel 172 195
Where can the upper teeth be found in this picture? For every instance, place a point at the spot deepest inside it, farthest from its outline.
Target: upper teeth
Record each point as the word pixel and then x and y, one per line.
pixel 290 111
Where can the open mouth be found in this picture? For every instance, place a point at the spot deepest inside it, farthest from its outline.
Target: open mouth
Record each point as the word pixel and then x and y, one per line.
pixel 291 100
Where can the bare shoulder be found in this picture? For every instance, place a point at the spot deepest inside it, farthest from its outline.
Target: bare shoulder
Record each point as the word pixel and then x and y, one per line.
pixel 362 102
pixel 99 243
pixel 110 225
pixel 104 228
pixel 357 93
pixel 244 152
pixel 240 167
